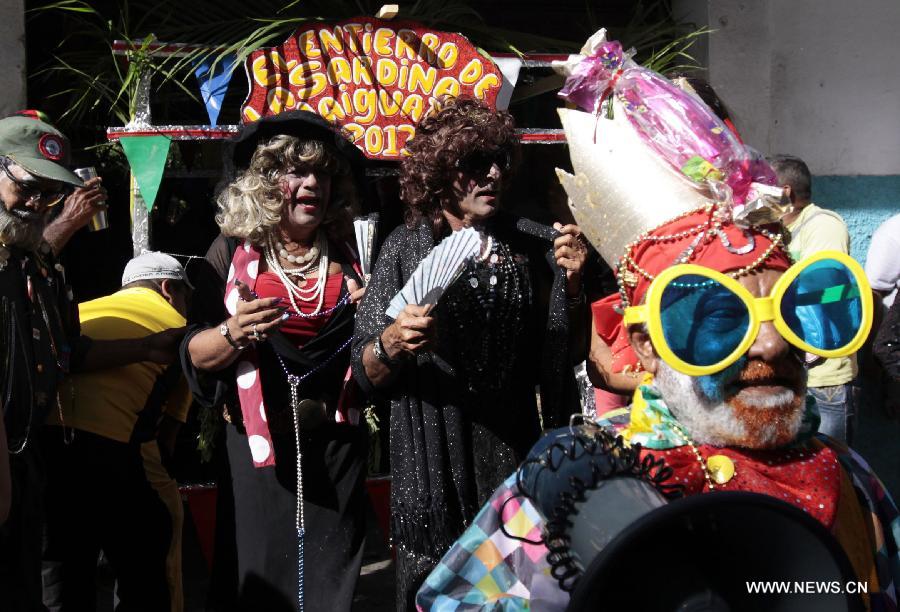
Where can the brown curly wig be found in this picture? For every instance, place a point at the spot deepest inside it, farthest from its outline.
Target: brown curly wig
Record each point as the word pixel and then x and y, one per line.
pixel 462 126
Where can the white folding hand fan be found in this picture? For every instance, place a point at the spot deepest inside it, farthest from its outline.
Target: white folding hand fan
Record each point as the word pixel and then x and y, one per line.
pixel 437 271
pixel 366 229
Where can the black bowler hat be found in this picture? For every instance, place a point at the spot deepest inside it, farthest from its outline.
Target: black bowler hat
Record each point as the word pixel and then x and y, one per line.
pixel 302 124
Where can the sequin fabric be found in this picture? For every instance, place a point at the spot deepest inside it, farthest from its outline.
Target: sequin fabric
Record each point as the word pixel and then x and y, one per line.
pixel 455 438
pixel 808 478
pixel 487 569
pixel 489 306
pixel 887 343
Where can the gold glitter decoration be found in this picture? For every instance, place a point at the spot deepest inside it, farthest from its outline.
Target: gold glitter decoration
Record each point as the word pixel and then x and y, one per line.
pixel 620 188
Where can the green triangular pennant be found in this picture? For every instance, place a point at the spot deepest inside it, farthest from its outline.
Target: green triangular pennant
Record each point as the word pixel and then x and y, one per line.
pixel 147 158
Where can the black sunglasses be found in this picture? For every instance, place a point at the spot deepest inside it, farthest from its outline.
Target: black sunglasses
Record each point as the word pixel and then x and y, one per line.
pixel 480 162
pixel 31 191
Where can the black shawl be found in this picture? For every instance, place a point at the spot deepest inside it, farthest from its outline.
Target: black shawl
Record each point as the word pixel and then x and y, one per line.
pixel 450 448
pixel 215 388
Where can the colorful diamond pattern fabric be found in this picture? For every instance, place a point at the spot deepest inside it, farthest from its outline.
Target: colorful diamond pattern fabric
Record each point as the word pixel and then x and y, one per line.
pixel 488 570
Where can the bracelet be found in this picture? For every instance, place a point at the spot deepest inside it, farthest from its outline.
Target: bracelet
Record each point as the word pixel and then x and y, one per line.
pixel 226 333
pixel 381 354
pixel 578 300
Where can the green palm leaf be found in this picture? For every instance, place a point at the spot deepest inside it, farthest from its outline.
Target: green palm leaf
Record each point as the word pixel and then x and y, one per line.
pixel 100 84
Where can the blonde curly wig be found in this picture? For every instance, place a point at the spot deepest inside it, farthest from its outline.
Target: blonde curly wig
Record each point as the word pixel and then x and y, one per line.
pixel 250 206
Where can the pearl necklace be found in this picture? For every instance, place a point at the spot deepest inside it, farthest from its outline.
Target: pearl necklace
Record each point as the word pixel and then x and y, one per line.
pixel 310 256
pixel 295 292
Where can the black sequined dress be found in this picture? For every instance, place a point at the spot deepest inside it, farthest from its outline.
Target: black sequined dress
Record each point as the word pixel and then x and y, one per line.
pixel 255 565
pixel 887 342
pixel 464 415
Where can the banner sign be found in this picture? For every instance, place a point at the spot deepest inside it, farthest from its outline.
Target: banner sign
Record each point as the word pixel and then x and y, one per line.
pixel 376 79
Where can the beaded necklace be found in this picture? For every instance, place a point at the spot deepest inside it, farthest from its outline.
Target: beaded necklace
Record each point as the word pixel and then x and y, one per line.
pixel 494 297
pixel 717 470
pixel 59 352
pixel 316 293
pixel 314 315
pixel 294 381
pixel 323 313
pixel 302 259
pixel 709 229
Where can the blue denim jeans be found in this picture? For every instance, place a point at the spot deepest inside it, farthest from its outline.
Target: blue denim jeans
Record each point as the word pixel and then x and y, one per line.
pixel 837 407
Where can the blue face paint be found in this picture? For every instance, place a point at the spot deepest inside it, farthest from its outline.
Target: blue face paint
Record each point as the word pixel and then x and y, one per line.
pixel 713 386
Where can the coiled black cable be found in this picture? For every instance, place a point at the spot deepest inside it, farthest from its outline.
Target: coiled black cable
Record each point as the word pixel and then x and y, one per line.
pixel 610 457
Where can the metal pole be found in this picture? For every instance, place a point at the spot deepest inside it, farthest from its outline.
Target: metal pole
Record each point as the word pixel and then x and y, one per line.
pixel 140 216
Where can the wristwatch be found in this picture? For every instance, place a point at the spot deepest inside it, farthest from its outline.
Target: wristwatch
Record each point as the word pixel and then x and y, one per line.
pixel 381 354
pixel 223 329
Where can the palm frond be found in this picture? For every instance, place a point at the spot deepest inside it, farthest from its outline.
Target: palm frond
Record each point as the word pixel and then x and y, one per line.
pixel 103 84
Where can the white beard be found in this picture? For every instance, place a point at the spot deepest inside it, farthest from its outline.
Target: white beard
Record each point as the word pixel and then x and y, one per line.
pixel 778 415
pixel 21 231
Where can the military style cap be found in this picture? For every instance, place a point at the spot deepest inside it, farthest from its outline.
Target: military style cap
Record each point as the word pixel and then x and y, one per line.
pixel 37 147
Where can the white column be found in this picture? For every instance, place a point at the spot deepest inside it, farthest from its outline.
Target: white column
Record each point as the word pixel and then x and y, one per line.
pixel 12 50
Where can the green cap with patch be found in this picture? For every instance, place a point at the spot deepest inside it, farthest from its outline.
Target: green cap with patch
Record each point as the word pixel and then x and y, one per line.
pixel 37 147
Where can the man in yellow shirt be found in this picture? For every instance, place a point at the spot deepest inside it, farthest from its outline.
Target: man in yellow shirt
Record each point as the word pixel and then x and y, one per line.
pixel 107 487
pixel 815 229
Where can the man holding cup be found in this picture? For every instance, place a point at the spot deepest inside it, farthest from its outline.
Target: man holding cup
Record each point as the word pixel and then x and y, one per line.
pixel 86 204
pixel 40 339
pixel 83 204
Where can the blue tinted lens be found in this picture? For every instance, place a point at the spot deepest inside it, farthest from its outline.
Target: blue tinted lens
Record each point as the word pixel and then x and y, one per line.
pixel 823 306
pixel 702 320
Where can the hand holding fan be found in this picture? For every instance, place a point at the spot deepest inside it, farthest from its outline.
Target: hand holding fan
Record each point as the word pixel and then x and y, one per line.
pixel 437 270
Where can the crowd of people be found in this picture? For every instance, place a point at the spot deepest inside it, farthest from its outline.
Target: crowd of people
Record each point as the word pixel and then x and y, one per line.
pixel 293 338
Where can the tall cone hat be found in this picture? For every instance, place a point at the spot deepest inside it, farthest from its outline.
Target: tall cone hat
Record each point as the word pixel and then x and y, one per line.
pixel 620 188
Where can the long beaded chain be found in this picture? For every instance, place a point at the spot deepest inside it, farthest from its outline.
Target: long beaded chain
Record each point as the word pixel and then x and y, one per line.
pixel 294 383
pixel 316 293
pixel 499 304
pixel 299 517
pixel 697 455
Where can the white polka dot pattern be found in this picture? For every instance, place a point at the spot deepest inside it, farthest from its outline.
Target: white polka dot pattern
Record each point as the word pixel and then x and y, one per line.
pixel 231 301
pixel 259 448
pixel 246 374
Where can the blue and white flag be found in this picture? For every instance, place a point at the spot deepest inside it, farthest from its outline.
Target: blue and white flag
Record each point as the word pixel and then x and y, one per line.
pixel 214 83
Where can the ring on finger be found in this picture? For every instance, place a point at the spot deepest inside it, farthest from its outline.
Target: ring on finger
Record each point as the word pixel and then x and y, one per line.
pixel 254 333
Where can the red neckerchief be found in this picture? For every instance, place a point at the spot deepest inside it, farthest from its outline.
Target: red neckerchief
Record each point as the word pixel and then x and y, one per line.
pixel 808 477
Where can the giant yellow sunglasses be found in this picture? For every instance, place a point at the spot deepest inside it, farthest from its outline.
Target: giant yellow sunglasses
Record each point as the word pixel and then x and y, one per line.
pixel 702 321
